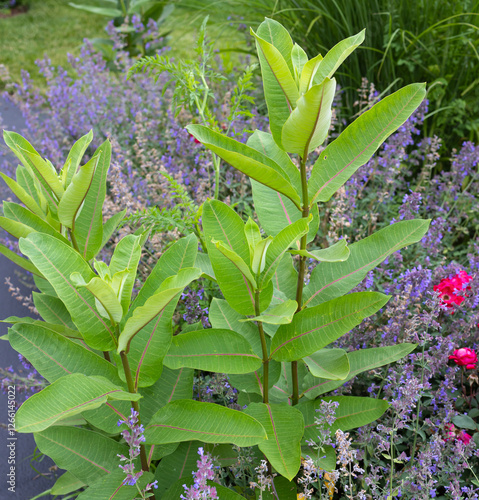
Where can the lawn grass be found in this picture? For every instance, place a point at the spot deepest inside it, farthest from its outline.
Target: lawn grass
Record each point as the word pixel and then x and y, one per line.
pixel 54 28
pixel 49 27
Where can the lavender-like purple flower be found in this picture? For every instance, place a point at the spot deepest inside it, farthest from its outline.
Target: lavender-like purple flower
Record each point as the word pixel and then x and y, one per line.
pixel 205 472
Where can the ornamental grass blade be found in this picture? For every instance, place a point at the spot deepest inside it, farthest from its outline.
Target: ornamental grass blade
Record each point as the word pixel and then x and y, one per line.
pixel 186 420
pixel 54 356
pixel 213 350
pixel 155 304
pixel 316 327
pixel 359 361
pixel 247 160
pixel 278 108
pixel 332 364
pixel 76 192
pixel 284 427
pixel 334 279
pixel 67 396
pixel 86 454
pixel 308 124
pixel 56 261
pixel 360 140
pixel 351 413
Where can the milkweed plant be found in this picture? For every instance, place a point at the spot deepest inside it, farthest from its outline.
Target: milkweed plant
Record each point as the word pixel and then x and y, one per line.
pixel 119 413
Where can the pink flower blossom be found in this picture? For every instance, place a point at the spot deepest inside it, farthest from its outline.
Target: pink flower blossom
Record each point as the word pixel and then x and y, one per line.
pixel 465 357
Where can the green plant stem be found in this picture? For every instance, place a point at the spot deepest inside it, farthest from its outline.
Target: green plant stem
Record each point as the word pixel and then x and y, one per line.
pixel 264 349
pixel 74 241
pixel 136 407
pixel 301 271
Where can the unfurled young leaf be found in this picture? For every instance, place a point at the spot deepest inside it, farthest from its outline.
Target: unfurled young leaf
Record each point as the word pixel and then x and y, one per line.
pixel 74 158
pixel 339 252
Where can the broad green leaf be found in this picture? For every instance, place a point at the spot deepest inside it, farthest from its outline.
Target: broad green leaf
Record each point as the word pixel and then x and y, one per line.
pixel 307 75
pixel 286 490
pixel 247 160
pixel 155 304
pixel 339 252
pixel 283 388
pixel 254 382
pixel 359 361
pixel 110 486
pixel 253 235
pixel 185 420
pixel 62 330
pixel 279 314
pixel 265 144
pixel 20 214
pixel 66 483
pixel 171 386
pixel 54 356
pixel 110 226
pixel 213 350
pixel 76 192
pixel 352 412
pixel 222 223
pixel 25 180
pixel 359 141
pixel 67 396
pixel 222 315
pixel 332 364
pixel 284 427
pixel 238 262
pixel 281 243
pixel 316 327
pixel 19 261
pixel 334 279
pixel 25 152
pixel 89 222
pixel 86 454
pixel 75 156
pixel 299 58
pixel 180 255
pixel 23 196
pixel 279 68
pixel 126 255
pixel 105 417
pixel 278 108
pixel 285 278
pixel 308 125
pixel 15 228
pixel 150 345
pixel 203 262
pixel 106 302
pixel 52 309
pixel 56 261
pixel 259 255
pixel 335 57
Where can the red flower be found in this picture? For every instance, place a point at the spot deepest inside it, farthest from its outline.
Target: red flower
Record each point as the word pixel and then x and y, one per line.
pixel 452 432
pixel 464 357
pixel 447 288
